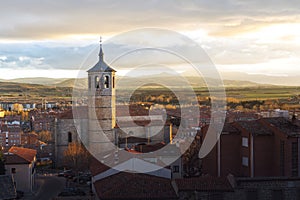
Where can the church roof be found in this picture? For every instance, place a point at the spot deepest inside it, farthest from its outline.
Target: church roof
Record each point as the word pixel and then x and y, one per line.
pixel 101 65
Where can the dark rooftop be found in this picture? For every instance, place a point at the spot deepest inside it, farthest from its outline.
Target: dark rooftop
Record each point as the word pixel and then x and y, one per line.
pixel 255 127
pixel 205 183
pixel 284 125
pixel 134 186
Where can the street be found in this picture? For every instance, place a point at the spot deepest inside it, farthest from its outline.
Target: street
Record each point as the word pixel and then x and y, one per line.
pixel 49 187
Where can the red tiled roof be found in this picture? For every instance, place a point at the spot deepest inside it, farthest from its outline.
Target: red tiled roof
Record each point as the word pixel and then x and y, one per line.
pixel 205 183
pixel 14 159
pixel 79 112
pixel 133 139
pixel 25 153
pixel 149 147
pixel 134 110
pixel 284 125
pixel 97 167
pixel 229 128
pixel 125 185
pixel 254 127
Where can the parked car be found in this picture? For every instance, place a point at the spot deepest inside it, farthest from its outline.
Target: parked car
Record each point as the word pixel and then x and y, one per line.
pixel 82 179
pixel 67 174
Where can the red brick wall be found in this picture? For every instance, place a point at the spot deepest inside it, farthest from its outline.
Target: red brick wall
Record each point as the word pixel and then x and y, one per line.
pixel 263 155
pixel 231 154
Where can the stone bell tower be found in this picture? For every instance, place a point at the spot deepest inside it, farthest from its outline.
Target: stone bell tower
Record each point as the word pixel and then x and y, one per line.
pixel 101 105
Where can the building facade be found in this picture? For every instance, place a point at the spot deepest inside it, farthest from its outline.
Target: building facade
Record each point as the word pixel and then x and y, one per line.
pixel 20 163
pixel 260 148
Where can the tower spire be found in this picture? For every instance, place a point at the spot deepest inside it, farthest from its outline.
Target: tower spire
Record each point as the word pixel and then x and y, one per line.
pixel 101 51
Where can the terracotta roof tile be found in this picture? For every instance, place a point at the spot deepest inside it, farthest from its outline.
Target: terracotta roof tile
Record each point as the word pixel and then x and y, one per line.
pixel 97 167
pixel 14 159
pixel 255 127
pixel 25 153
pixel 125 185
pixel 205 183
pixel 284 125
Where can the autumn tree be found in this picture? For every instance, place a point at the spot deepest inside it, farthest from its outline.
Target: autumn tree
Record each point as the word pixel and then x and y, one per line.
pixel 76 157
pixel 45 136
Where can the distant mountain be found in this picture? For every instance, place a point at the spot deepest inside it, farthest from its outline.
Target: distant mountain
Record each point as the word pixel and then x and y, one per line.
pixel 167 79
pixel 230 79
pixel 262 79
pixel 36 80
pixel 80 83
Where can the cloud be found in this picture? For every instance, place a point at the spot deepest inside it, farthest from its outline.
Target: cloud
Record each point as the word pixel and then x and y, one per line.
pixel 233 32
pixel 48 19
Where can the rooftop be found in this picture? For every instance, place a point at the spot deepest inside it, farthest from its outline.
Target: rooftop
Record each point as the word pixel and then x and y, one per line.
pixel 284 125
pixel 125 185
pixel 255 127
pixel 101 65
pixel 205 183
pixel 25 153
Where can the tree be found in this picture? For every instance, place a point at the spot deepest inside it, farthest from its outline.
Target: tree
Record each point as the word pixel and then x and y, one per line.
pixel 76 157
pixel 45 136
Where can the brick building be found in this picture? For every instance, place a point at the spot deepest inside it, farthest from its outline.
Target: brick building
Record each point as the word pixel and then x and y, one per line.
pixel 10 135
pixel 260 148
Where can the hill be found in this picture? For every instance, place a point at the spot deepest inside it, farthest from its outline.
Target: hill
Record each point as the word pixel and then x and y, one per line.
pixel 262 79
pixel 16 89
pixel 35 80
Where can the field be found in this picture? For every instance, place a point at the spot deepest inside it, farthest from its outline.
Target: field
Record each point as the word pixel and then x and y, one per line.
pixel 25 91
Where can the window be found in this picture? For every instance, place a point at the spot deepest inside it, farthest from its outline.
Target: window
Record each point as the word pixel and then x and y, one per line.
pixel 97 82
pixel 113 82
pixel 245 161
pixel 281 158
pixel 69 137
pixel 106 81
pixel 245 142
pixel 176 168
pixel 294 159
pixel 13 170
pixel 130 133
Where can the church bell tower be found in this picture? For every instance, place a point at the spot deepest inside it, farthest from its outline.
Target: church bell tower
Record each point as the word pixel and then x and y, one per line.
pixel 101 105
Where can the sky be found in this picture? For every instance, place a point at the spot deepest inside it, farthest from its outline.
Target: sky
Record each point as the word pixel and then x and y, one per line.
pixel 49 38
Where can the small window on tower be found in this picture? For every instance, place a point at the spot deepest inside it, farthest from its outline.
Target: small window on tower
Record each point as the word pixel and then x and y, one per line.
pixel 106 81
pixel 113 82
pixel 97 82
pixel 69 137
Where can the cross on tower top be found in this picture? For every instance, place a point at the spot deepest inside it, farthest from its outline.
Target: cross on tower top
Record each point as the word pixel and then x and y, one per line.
pixel 101 51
